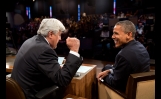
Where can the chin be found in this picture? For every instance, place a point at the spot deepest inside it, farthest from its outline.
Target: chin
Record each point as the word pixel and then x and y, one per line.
pixel 54 47
pixel 117 46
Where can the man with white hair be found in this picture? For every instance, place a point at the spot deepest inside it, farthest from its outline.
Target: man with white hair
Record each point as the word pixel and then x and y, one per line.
pixel 36 65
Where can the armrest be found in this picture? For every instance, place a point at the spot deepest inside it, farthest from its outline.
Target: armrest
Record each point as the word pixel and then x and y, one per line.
pixel 46 92
pixel 117 91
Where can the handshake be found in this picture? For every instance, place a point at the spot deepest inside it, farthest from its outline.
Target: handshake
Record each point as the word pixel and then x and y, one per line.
pixel 73 44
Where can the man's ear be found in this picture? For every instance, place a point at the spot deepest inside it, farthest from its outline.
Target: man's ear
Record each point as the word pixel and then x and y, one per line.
pixel 129 35
pixel 50 34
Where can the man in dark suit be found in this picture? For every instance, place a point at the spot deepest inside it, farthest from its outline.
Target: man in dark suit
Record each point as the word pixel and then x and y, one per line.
pixel 132 58
pixel 36 65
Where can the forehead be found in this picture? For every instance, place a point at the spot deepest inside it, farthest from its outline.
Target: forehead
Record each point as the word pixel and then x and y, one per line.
pixel 117 28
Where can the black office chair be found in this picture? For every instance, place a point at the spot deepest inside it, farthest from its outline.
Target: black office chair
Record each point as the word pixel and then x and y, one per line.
pixel 14 91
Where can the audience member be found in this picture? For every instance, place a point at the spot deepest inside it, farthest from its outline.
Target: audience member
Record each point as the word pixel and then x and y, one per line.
pixel 140 29
pixel 105 38
pixel 132 58
pixel 8 34
pixel 36 65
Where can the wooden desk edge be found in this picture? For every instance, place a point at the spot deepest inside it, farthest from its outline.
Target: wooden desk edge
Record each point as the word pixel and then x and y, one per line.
pixel 9 70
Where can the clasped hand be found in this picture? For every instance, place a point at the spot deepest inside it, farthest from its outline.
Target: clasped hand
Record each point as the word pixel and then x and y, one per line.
pixel 73 44
pixel 102 74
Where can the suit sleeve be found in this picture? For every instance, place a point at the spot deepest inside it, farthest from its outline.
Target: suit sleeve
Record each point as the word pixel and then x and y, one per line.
pixel 120 74
pixel 48 65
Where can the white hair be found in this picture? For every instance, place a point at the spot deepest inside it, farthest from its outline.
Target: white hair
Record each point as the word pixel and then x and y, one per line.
pixel 50 24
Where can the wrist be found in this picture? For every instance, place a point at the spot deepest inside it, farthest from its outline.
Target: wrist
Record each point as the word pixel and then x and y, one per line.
pixel 75 53
pixel 74 50
pixel 107 71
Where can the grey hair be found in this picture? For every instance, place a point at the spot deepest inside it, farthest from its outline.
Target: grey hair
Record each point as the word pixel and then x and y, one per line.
pixel 50 24
pixel 127 26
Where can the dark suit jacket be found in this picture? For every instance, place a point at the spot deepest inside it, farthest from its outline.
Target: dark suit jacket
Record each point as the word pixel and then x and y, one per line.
pixel 36 67
pixel 132 58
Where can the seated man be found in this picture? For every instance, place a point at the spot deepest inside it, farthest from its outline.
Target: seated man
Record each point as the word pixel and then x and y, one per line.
pixel 132 58
pixel 36 65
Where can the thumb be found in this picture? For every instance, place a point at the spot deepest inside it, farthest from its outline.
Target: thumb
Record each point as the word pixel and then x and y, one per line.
pixel 67 38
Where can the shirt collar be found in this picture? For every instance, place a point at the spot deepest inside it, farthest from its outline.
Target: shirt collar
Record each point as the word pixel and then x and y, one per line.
pixel 46 40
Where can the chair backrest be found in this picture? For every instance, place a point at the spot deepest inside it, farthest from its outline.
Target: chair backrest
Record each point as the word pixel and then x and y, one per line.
pixel 13 90
pixel 141 86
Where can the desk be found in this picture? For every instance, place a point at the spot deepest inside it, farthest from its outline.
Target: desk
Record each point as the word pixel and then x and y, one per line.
pixel 83 86
pixel 69 96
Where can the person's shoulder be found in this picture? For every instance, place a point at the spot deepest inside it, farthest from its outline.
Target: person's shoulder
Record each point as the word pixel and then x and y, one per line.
pixel 129 47
pixel 136 46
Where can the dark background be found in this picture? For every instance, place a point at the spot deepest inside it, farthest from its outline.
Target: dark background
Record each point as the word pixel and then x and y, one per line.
pixel 69 7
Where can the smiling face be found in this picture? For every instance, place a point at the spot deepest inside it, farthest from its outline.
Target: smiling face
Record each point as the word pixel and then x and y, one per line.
pixel 120 37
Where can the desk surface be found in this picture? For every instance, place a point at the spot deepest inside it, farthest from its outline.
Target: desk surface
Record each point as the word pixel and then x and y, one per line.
pixel 11 58
pixel 83 74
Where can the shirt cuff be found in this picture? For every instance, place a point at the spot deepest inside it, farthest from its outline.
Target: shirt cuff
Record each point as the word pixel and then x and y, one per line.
pixel 75 53
pixel 111 71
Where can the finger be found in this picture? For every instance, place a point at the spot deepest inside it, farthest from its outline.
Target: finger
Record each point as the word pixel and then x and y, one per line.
pixel 67 38
pixel 101 80
pixel 98 76
pixel 97 79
